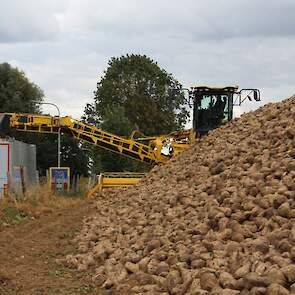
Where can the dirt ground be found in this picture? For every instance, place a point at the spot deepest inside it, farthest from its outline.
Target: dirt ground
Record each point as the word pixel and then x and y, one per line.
pixel 28 253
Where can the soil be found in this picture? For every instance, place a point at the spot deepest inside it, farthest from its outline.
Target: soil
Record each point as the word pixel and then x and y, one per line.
pixel 30 250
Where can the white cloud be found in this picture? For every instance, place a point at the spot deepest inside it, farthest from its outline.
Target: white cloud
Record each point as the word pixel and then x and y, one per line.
pixel 64 45
pixel 27 21
pixel 213 19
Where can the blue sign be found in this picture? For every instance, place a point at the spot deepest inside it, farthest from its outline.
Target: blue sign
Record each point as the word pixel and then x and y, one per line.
pixel 60 178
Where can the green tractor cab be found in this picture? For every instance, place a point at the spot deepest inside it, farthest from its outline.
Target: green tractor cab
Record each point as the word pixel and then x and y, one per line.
pixel 213 106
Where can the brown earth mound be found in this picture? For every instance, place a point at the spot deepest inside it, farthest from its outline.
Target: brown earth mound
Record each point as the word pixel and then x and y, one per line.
pixel 218 219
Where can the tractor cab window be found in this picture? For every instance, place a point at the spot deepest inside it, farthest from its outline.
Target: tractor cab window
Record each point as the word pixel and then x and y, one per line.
pixel 212 110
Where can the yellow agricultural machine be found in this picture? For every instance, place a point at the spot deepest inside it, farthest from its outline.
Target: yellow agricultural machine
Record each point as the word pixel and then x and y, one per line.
pixel 114 179
pixel 212 106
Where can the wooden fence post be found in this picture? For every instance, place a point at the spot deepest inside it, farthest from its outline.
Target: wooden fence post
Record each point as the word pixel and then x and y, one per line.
pixel 22 176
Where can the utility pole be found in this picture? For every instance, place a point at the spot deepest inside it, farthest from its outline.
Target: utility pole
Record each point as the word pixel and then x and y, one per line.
pixel 58 133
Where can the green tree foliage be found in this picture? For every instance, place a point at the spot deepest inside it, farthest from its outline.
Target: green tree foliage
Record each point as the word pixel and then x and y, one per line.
pixel 74 156
pixel 72 153
pixel 135 94
pixel 115 121
pixel 18 94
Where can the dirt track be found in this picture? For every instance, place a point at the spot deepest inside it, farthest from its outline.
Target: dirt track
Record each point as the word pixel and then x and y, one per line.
pixel 28 254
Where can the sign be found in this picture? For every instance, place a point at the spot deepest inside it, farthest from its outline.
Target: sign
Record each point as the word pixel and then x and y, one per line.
pixel 59 178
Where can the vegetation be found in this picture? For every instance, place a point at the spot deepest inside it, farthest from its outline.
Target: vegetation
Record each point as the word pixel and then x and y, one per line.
pixel 38 200
pixel 19 94
pixel 134 94
pixel 36 233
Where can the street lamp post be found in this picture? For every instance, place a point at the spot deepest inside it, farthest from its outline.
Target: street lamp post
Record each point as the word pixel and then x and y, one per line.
pixel 58 134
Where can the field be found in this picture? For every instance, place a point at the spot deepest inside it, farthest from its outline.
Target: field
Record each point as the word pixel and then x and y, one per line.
pixel 217 219
pixel 34 234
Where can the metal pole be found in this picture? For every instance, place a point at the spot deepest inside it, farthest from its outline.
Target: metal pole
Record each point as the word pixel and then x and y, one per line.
pixel 58 148
pixel 58 134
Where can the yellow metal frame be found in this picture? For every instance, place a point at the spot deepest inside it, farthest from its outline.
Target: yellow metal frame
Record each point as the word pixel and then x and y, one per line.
pixel 144 149
pixel 149 153
pixel 115 179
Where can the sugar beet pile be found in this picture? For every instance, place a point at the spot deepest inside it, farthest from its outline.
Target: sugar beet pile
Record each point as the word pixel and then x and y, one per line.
pixel 218 219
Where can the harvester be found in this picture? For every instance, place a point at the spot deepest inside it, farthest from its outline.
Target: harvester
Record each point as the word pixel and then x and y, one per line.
pixel 212 107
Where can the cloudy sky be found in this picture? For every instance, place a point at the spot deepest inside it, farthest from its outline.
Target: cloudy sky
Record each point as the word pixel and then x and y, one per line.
pixel 64 45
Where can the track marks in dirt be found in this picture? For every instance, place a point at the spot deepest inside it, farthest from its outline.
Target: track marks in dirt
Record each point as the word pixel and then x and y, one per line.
pixel 28 254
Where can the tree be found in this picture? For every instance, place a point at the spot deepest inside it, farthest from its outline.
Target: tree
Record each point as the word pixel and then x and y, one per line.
pixel 18 94
pixel 115 121
pixel 73 154
pixel 146 96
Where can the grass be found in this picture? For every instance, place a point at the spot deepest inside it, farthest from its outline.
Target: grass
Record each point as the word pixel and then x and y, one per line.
pixel 43 243
pixel 11 215
pixel 37 201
